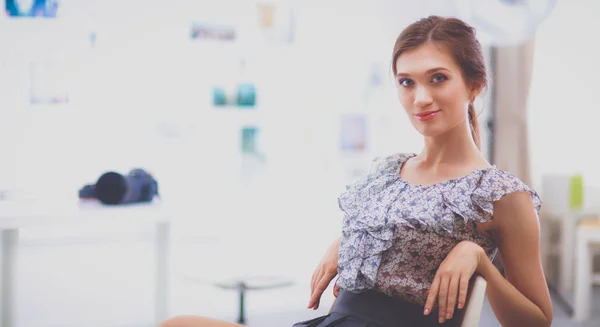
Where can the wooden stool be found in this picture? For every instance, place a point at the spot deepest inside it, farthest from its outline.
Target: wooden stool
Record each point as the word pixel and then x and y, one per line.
pixel 250 283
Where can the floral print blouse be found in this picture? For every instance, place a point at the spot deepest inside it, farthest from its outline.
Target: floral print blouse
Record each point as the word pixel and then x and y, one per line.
pixel 396 234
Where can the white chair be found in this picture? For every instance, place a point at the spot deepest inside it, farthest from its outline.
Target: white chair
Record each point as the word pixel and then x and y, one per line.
pixel 471 314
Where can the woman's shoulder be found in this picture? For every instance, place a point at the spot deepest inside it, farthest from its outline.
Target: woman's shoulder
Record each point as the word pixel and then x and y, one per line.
pixel 500 182
pixel 389 162
pixel 495 184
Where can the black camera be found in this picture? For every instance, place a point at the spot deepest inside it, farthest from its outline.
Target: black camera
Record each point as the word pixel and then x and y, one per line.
pixel 113 188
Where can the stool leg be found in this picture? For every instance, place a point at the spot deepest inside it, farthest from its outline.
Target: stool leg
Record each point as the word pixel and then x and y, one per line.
pixel 242 311
pixel 161 297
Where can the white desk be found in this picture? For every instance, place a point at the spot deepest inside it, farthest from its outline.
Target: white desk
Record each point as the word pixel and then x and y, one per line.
pixel 15 215
pixel 568 225
pixel 588 235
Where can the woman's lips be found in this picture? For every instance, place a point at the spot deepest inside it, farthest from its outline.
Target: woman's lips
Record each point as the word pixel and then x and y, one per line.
pixel 427 115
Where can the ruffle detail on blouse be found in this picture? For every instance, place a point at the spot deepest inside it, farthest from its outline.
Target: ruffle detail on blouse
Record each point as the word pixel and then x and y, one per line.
pixel 482 189
pixel 372 213
pixel 367 231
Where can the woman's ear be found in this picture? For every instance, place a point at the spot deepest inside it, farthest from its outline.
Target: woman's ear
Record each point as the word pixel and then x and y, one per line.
pixel 475 92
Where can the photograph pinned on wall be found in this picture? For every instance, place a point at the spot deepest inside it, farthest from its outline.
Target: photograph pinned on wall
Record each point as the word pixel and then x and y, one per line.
pixel 243 96
pixel 31 8
pixel 353 133
pixel 49 82
pixel 276 21
pixel 375 83
pixel 213 32
pixel 246 95
pixel 249 140
pixel 253 159
pixel 376 76
pixel 93 38
pixel 221 97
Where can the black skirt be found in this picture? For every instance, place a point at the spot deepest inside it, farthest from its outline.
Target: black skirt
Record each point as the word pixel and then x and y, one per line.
pixel 373 309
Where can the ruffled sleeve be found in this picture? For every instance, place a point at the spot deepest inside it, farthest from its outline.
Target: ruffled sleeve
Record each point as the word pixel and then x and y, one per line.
pixel 366 230
pixel 490 186
pixel 379 166
pixel 377 204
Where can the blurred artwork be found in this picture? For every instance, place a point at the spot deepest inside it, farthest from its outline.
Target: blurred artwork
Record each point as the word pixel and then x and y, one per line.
pixel 375 83
pixel 220 97
pixel 249 139
pixel 242 96
pixel 215 32
pixel 246 95
pixel 93 37
pixel 353 133
pixel 49 83
pixel 31 8
pixel 376 74
pixel 276 21
pixel 253 161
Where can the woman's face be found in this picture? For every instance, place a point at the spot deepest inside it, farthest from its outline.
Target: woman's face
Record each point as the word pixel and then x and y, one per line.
pixel 432 89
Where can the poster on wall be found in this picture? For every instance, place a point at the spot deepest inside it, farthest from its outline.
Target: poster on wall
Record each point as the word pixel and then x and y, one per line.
pixel 242 95
pixel 353 133
pixel 48 82
pixel 246 95
pixel 249 140
pixel 276 22
pixel 253 160
pixel 212 32
pixel 221 98
pixel 31 8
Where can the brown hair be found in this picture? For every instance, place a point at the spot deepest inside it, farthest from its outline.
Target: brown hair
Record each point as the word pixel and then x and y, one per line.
pixel 459 38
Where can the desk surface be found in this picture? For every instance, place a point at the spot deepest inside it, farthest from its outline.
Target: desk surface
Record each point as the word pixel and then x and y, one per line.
pixel 590 223
pixel 34 213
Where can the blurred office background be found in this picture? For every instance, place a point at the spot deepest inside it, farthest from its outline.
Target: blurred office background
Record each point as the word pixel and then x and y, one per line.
pixel 253 116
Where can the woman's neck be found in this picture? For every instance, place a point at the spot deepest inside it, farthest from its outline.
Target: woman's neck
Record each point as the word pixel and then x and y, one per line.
pixel 454 147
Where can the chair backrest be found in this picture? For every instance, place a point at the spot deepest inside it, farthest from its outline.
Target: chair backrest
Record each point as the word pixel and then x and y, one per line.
pixel 471 314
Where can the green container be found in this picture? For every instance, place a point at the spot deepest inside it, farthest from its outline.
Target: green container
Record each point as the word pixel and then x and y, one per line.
pixel 576 196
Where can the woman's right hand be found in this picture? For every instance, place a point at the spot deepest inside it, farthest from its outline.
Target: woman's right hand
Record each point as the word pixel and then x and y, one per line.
pixel 324 274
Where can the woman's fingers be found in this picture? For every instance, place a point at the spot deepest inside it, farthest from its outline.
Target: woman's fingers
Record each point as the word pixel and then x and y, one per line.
pixel 443 296
pixel 336 290
pixel 315 299
pixel 463 290
pixel 315 277
pixel 320 287
pixel 432 295
pixel 452 295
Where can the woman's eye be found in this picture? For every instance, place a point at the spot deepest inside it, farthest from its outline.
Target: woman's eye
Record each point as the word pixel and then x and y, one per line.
pixel 438 79
pixel 405 82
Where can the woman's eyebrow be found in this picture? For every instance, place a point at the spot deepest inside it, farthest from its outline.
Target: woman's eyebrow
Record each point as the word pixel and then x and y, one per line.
pixel 428 72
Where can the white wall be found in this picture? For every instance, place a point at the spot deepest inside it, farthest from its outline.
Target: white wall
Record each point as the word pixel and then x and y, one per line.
pixel 145 74
pixel 563 111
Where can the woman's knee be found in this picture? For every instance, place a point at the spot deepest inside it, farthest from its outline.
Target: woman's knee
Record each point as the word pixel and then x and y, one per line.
pixel 195 321
pixel 184 321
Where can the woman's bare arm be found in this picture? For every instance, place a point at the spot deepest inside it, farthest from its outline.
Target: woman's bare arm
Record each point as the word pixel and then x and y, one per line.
pixel 324 274
pixel 522 299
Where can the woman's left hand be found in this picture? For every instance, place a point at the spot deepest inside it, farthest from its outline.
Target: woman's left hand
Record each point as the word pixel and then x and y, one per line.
pixel 451 280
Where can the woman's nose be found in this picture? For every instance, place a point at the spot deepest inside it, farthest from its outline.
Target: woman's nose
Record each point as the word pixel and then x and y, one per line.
pixel 422 97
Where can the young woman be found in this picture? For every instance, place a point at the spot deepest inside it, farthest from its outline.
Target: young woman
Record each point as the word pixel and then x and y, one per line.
pixel 419 226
